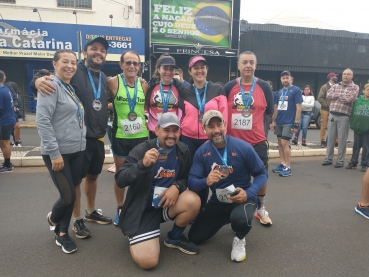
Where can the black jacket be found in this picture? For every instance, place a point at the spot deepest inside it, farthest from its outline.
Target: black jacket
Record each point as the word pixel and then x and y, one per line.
pixel 95 121
pixel 138 178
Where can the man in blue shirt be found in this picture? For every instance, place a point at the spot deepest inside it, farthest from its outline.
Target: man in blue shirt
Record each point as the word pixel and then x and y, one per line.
pixel 287 111
pixel 225 164
pixel 7 121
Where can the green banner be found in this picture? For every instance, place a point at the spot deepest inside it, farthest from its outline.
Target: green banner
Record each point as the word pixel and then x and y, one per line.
pixel 191 22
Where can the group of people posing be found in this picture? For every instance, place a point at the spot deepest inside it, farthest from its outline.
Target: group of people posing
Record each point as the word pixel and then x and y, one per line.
pixel 171 144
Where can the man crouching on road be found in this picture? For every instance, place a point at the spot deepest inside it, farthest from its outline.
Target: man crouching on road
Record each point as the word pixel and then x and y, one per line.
pixel 225 164
pixel 156 172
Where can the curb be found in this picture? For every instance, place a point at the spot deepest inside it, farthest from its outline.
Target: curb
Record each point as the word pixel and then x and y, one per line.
pixel 38 161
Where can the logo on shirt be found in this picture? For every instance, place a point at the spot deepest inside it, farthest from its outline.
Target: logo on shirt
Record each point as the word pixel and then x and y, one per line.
pixel 165 173
pixel 207 154
pixel 158 102
pixel 238 101
pixel 234 154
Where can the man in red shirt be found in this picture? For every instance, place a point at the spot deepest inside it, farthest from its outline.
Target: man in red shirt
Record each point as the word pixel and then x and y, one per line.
pixel 250 100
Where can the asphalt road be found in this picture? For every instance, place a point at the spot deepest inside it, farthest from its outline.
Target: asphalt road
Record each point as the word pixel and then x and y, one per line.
pixel 30 136
pixel 315 231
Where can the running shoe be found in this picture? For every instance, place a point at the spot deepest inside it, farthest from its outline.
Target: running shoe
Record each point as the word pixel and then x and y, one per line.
pixel 80 229
pixel 351 166
pixel 98 218
pixel 263 216
pixel 295 140
pixel 285 172
pixel 182 243
pixel 238 253
pixel 67 244
pixel 278 168
pixel 364 168
pixel 364 211
pixel 116 219
pixel 323 144
pixel 5 169
pixel 303 143
pixel 17 145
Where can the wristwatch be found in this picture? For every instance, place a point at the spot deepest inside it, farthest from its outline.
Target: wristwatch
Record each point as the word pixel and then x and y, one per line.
pixel 177 186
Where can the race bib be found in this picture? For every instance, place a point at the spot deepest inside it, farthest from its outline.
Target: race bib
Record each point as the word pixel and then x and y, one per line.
pixel 282 106
pixel 241 122
pixel 157 192
pixel 131 127
pixel 223 193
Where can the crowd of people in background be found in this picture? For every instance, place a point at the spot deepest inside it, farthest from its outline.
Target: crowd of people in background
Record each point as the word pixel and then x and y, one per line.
pixel 173 141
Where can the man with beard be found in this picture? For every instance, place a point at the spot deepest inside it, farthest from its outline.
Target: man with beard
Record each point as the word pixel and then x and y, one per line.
pixel 156 172
pixel 90 85
pixel 286 117
pixel 225 164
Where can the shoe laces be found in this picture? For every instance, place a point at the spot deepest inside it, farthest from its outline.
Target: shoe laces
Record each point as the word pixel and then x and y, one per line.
pixel 239 244
pixel 263 213
pixel 66 238
pixel 81 224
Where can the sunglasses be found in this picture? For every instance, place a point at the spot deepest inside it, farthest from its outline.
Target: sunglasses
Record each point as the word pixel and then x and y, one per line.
pixel 129 63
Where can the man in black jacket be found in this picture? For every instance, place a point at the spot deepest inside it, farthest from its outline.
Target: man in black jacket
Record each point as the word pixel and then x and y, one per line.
pixel 156 172
pixel 90 85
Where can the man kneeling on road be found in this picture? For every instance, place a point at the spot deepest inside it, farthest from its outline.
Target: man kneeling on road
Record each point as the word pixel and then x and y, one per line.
pixel 156 172
pixel 225 164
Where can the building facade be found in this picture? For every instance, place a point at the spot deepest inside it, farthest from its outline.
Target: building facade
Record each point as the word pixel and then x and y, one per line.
pixel 31 31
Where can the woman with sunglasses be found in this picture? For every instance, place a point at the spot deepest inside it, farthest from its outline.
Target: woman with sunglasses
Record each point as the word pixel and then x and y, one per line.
pixel 199 98
pixel 61 127
pixel 165 93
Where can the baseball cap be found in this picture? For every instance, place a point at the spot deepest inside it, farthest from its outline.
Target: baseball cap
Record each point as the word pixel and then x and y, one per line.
pixel 168 119
pixel 211 114
pixel 286 72
pixel 93 39
pixel 332 74
pixel 167 60
pixel 195 60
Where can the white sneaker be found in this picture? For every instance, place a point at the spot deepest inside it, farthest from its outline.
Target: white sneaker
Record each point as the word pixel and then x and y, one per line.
pixel 17 145
pixel 238 253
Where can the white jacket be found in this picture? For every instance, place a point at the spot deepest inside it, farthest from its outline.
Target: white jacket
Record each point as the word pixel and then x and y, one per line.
pixel 308 103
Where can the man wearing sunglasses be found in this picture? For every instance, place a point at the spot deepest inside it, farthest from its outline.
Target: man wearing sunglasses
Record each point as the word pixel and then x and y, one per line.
pixel 129 125
pixel 156 172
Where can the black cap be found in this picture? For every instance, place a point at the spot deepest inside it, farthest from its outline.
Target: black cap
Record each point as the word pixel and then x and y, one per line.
pixel 167 60
pixel 93 39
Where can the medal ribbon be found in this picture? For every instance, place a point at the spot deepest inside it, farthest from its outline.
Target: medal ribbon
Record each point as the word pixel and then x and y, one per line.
pixel 201 104
pixel 76 99
pixel 224 158
pixel 162 149
pixel 164 100
pixel 131 102
pixel 284 93
pixel 97 92
pixel 246 101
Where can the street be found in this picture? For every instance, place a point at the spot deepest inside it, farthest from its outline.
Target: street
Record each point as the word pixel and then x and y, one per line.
pixel 315 231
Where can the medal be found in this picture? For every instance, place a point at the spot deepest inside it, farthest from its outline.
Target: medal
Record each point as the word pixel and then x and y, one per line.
pixel 200 117
pixel 282 106
pixel 246 112
pixel 162 155
pixel 96 104
pixel 132 116
pixel 224 171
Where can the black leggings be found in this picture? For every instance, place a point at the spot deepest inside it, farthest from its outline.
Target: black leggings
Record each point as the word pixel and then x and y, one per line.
pixel 215 216
pixel 65 181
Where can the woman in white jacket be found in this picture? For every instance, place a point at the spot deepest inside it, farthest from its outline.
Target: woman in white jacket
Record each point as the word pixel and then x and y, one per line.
pixel 306 113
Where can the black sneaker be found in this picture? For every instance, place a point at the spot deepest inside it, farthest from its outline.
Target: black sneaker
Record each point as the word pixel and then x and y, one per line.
pixel 351 166
pixel 364 168
pixel 81 230
pixel 182 243
pixel 98 218
pixel 67 244
pixel 323 144
pixel 338 165
pixel 5 169
pixel 294 141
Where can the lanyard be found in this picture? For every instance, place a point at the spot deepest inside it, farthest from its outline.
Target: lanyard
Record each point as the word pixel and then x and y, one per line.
pixel 97 92
pixel 284 93
pixel 224 158
pixel 162 150
pixel 164 100
pixel 76 99
pixel 131 103
pixel 246 101
pixel 201 104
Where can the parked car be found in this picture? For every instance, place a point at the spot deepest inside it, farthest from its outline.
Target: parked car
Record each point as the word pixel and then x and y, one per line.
pixel 315 118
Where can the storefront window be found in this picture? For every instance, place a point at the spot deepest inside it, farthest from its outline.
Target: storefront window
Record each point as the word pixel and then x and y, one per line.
pixel 82 4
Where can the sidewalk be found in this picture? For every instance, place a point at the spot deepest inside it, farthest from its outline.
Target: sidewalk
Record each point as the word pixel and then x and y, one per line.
pixel 31 156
